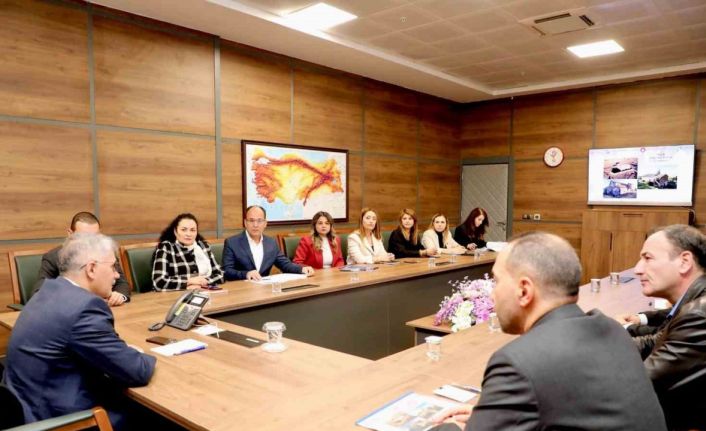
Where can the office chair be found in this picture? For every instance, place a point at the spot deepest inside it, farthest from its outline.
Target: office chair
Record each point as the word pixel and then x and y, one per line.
pixel 12 418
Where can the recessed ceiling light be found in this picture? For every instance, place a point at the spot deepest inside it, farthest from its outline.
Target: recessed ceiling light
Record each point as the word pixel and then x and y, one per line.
pixel 319 16
pixel 597 48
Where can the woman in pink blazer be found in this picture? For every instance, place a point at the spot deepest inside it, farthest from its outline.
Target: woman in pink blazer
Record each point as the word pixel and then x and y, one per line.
pixel 321 249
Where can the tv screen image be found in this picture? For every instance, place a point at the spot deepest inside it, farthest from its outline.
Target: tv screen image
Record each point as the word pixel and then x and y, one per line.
pixel 641 176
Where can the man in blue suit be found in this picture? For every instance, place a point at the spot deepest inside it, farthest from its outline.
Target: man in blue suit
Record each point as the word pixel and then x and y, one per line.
pixel 251 255
pixel 64 355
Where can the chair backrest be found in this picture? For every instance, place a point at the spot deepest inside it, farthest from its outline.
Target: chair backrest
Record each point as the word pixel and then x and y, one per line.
pixel 137 264
pixel 95 417
pixel 24 270
pixel 386 239
pixel 12 415
pixel 290 244
pixel 344 245
pixel 217 250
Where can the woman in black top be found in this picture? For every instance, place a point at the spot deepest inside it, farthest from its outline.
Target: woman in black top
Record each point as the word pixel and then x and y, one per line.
pixel 470 233
pixel 404 241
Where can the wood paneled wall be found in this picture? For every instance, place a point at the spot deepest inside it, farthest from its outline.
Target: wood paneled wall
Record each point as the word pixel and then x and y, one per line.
pixel 659 112
pixel 129 118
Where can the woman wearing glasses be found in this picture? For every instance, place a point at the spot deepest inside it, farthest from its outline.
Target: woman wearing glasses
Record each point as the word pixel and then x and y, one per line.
pixel 183 258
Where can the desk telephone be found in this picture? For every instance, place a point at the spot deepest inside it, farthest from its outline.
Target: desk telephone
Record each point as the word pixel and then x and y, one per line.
pixel 186 310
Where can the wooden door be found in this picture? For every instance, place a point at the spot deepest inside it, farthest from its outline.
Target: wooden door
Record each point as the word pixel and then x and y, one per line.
pixel 625 249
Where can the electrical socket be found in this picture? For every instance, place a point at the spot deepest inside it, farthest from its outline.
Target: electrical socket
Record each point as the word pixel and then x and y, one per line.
pixel 536 216
pixel 526 217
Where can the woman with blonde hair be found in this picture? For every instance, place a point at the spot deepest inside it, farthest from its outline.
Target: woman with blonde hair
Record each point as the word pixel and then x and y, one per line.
pixel 404 241
pixel 439 237
pixel 365 243
pixel 321 249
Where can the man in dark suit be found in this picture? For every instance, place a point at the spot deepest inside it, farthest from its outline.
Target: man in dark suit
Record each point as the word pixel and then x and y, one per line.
pixel 64 355
pixel 251 255
pixel 83 222
pixel 673 342
pixel 569 370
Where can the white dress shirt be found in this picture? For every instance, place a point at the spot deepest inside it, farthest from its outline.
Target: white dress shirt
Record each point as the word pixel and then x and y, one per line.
pixel 326 253
pixel 257 249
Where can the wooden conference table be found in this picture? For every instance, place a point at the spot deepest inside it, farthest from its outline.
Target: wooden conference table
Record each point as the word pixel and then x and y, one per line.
pixel 228 387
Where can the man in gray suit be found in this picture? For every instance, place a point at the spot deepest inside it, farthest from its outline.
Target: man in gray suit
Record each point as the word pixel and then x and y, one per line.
pixel 569 370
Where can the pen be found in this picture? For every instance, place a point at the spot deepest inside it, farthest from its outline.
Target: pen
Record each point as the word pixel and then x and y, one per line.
pixel 190 350
pixel 469 388
pixel 252 340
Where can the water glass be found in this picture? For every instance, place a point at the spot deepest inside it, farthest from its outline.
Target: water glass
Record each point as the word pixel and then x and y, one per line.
pixel 453 258
pixel 274 337
pixel 355 276
pixel 433 347
pixel 476 253
pixel 493 322
pixel 595 285
pixel 614 278
pixel 431 262
pixel 276 287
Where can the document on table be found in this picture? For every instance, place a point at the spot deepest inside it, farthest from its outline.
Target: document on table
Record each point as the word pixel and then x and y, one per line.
pixel 410 412
pixel 280 278
pixel 180 347
pixel 496 245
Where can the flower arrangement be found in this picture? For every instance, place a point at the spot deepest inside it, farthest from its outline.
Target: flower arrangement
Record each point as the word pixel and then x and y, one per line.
pixel 469 303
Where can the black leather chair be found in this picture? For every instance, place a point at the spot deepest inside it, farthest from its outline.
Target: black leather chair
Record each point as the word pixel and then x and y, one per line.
pixel 24 270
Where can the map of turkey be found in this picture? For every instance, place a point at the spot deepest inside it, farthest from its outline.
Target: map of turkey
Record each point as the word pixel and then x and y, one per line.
pixel 291 178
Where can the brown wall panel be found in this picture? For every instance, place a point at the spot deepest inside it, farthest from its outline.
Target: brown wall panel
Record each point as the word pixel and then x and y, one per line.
pixel 355 187
pixel 653 113
pixel 556 193
pixel 256 98
pixel 390 185
pixel 232 176
pixel 701 138
pixel 146 180
pixel 152 80
pixel 439 191
pixel 570 232
pixel 540 122
pixel 438 130
pixel 328 110
pixel 700 188
pixel 391 121
pixel 43 61
pixel 485 130
pixel 46 176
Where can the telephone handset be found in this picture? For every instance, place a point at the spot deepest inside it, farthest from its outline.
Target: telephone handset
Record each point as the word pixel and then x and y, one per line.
pixel 186 310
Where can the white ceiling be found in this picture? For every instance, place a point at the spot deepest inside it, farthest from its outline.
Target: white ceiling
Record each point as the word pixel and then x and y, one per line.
pixel 461 50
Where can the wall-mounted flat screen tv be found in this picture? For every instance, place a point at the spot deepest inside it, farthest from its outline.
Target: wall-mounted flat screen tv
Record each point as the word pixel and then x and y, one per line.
pixel 661 176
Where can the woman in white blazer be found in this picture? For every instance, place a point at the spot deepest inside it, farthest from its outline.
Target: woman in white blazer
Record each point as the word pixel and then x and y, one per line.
pixel 365 243
pixel 439 237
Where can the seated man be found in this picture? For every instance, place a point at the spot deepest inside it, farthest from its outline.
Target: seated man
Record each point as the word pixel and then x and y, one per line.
pixel 83 222
pixel 64 355
pixel 250 255
pixel 569 370
pixel 671 266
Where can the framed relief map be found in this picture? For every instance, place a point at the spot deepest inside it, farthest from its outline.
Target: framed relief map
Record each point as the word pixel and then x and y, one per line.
pixel 293 183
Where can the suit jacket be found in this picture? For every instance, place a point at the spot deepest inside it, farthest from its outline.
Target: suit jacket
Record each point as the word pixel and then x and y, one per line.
pixel 675 359
pixel 360 251
pixel 461 236
pixel 570 371
pixel 238 259
pixel 431 240
pixel 50 269
pixel 64 355
pixel 307 255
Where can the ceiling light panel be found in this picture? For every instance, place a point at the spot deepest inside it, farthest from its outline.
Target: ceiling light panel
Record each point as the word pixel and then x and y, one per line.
pixel 319 16
pixel 594 49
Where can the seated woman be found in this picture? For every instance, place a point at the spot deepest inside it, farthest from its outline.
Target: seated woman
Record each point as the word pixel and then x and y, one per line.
pixel 321 249
pixel 183 258
pixel 404 241
pixel 439 237
pixel 365 243
pixel 470 233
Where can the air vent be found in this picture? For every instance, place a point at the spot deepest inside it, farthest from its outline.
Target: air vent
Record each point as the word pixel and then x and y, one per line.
pixel 560 22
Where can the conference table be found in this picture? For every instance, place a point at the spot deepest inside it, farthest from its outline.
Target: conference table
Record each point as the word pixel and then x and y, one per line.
pixel 228 386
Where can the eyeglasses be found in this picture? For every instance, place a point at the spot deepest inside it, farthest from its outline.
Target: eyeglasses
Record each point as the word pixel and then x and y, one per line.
pixel 255 220
pixel 112 264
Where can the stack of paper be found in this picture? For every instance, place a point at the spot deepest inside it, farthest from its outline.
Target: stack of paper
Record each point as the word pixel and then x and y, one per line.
pixel 280 278
pixel 180 347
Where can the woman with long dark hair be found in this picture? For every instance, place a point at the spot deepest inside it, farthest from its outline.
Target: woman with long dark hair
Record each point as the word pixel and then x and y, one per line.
pixel 183 258
pixel 321 249
pixel 404 241
pixel 471 232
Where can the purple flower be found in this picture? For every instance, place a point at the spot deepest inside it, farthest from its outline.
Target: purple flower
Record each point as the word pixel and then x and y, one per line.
pixel 476 291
